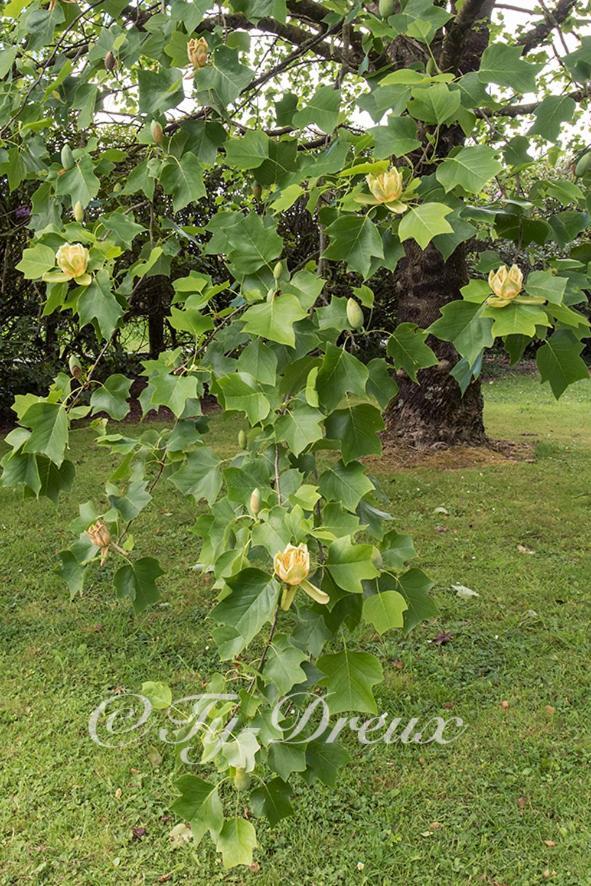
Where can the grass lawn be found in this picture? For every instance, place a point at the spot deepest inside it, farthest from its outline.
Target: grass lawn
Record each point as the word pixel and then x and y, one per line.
pixel 508 803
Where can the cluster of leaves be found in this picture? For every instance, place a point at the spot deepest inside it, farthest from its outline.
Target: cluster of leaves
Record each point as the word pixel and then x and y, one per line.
pixel 269 343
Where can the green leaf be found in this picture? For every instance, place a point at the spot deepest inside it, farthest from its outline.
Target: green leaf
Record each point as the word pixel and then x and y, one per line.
pixel 349 680
pixel 414 586
pixel 249 151
pixel 159 90
pixel 240 393
pixel 274 320
pixel 355 240
pixel 199 475
pixel 112 397
pixel 384 611
pixel 436 104
pixel 183 180
pixel 249 605
pixel 340 373
pixel 350 564
pixel 36 260
pixel 79 183
pixel 550 114
pixel 345 483
pixel 546 285
pixel 49 430
pixel 285 758
pixel 503 64
pixel 283 667
pixel 158 694
pixel 98 302
pixel 72 572
pixel 357 429
pixel 559 361
pixel 407 348
pixel 236 842
pixel 323 761
pixel 471 168
pixel 516 319
pixel 198 800
pixel 222 80
pixel 137 582
pixel 260 361
pixel 398 137
pixel 461 323
pixel 422 223
pixel 272 800
pixel 323 110
pixel 300 426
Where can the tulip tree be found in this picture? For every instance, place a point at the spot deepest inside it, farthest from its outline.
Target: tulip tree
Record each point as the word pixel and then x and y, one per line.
pixel 402 131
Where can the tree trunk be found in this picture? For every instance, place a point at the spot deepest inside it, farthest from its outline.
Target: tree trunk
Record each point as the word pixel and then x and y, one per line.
pixel 433 411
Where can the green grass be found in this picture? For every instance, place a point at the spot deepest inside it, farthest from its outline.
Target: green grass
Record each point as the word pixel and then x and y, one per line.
pixel 517 777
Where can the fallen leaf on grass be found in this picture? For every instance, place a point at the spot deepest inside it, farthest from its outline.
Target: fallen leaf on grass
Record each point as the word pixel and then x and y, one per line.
pixel 442 638
pixel 180 835
pixel 550 843
pixel 523 549
pixel 138 833
pixel 464 593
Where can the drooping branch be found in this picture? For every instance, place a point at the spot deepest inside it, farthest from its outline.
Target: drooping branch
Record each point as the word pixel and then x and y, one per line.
pixel 552 20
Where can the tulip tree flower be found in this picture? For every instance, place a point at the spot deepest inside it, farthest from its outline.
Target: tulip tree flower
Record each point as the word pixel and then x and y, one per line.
pixel 72 261
pixel 507 285
pixel 387 189
pixel 100 536
pixel 292 567
pixel 197 52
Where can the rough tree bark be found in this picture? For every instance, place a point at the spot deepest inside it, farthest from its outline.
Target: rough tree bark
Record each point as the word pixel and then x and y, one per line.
pixel 433 412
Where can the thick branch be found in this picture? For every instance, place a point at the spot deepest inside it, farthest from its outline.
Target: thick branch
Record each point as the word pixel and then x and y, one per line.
pixel 579 95
pixel 290 33
pixel 553 19
pixel 471 12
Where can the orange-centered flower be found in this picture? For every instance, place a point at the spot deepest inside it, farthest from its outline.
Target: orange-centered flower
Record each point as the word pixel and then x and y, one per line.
pixel 292 567
pixel 197 50
pixel 506 284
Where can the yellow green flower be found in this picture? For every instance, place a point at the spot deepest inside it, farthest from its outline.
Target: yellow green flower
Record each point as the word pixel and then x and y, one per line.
pixel 72 261
pixel 292 567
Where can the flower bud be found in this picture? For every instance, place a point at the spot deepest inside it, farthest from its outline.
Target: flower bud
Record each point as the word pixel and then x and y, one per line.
pixel 278 270
pixel 197 52
pixel 78 211
pixel 242 439
pixel 241 779
pixel 157 132
pixel 110 61
pixel 74 366
pixel 584 165
pixel 67 157
pixel 255 502
pixel 386 8
pixel 354 314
